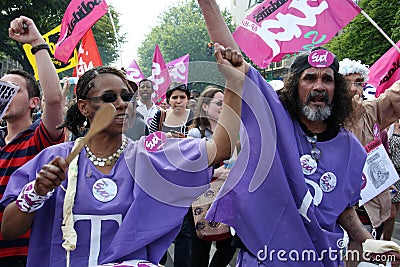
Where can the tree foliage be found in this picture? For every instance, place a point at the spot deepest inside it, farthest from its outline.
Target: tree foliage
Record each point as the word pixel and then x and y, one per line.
pixel 47 14
pixel 361 40
pixel 181 31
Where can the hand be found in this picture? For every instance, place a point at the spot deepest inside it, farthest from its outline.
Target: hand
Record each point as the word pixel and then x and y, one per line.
pixel 230 62
pixel 50 176
pixel 24 30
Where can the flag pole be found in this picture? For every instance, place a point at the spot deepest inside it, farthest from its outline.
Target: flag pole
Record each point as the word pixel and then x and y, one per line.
pixel 380 30
pixel 116 37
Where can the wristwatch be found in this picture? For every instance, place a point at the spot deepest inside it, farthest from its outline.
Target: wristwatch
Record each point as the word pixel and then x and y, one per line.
pixel 34 49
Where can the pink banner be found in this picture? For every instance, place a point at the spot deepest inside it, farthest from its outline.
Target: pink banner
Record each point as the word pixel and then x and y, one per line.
pixel 179 69
pixel 160 76
pixel 134 73
pixel 79 17
pixel 385 71
pixel 277 29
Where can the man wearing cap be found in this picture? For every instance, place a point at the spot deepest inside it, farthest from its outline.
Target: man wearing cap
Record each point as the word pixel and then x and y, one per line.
pixel 379 113
pixel 298 175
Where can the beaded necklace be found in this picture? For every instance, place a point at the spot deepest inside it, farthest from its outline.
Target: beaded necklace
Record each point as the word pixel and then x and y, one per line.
pixel 108 161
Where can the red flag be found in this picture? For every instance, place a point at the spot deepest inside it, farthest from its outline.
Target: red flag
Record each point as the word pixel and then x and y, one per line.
pixel 385 71
pixel 277 29
pixel 160 76
pixel 79 17
pixel 88 55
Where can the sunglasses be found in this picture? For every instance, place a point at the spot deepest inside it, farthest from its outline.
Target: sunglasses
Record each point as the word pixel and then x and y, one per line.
pixel 112 97
pixel 357 84
pixel 218 103
pixel 315 151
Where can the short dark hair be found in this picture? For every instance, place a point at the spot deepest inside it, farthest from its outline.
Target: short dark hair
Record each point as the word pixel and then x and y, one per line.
pixel 31 84
pixel 146 80
pixel 177 86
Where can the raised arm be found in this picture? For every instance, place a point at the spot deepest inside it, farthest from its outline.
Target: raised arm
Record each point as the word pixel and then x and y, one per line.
pixel 233 67
pixel 216 26
pixel 24 30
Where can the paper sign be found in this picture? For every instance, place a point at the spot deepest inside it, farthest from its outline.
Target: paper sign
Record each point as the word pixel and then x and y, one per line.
pixel 378 171
pixel 7 93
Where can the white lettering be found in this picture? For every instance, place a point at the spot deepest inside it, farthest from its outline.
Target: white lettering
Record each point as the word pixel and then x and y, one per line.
pixel 286 26
pixel 95 232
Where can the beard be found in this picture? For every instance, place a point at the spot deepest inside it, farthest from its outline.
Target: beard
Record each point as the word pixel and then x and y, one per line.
pixel 316 113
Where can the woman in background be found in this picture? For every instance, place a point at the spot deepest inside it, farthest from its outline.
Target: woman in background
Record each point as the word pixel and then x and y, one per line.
pixel 206 119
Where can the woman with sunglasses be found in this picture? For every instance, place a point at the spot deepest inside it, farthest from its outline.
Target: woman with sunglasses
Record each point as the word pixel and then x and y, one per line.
pixel 209 108
pixel 124 200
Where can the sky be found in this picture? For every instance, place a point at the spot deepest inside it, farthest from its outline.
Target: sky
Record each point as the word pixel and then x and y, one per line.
pixel 137 17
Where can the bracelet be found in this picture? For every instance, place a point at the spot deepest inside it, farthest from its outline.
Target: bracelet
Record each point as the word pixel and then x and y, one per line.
pixel 34 49
pixel 30 201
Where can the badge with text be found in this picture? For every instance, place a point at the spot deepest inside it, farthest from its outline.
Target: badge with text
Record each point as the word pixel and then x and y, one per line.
pixel 7 93
pixel 308 164
pixel 327 182
pixel 321 58
pixel 104 190
pixel 155 141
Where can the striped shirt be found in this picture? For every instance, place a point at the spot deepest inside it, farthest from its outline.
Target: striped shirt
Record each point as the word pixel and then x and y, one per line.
pixel 16 153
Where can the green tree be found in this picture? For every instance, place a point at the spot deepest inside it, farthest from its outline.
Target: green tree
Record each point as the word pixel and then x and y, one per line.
pixel 47 14
pixel 181 31
pixel 361 40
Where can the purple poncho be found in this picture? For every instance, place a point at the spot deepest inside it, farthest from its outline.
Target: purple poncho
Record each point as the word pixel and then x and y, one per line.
pixel 270 202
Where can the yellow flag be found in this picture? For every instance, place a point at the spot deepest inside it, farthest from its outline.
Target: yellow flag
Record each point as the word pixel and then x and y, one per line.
pixel 51 38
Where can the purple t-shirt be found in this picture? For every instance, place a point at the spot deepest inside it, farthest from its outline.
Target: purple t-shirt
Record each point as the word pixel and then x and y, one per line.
pixel 267 198
pixel 139 223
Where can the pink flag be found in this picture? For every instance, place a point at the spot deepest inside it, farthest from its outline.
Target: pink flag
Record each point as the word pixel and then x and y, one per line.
pixel 134 73
pixel 79 17
pixel 179 69
pixel 277 29
pixel 385 71
pixel 160 76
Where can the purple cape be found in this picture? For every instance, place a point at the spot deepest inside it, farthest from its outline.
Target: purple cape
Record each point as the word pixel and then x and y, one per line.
pixel 139 223
pixel 269 201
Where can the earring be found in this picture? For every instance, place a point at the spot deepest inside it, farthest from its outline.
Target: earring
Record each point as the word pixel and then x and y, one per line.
pixel 85 123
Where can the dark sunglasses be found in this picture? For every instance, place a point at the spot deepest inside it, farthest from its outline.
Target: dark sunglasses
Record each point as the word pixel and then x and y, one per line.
pixel 219 103
pixel 112 97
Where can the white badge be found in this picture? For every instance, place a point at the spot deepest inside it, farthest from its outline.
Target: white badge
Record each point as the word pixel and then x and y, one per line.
pixel 308 164
pixel 327 182
pixel 104 189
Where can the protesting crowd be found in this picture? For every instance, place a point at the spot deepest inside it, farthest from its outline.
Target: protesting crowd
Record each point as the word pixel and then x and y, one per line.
pixel 304 175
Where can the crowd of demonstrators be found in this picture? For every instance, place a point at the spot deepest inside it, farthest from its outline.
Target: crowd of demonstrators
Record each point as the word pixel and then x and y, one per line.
pixel 110 197
pixel 23 139
pixel 146 106
pixel 313 200
pixel 378 113
pixel 204 124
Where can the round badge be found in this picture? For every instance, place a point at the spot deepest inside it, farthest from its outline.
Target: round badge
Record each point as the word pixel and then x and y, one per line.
pixel 327 182
pixel 155 141
pixel 363 181
pixel 308 164
pixel 321 58
pixel 104 189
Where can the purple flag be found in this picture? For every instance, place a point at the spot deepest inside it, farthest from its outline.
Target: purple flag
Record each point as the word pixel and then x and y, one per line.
pixel 133 73
pixel 179 69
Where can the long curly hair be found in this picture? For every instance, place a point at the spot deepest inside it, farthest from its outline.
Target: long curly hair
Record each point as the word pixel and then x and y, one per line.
pixel 74 119
pixel 342 108
pixel 201 119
